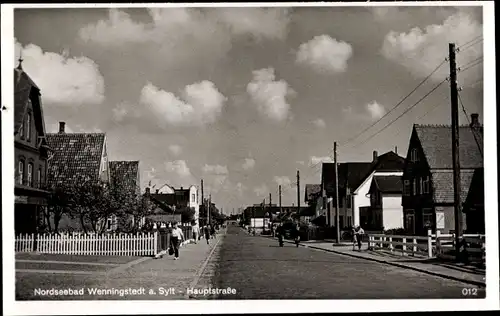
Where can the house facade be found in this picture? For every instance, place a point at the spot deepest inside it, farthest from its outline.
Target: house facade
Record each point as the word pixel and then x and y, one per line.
pixel 355 180
pixel 30 154
pixel 175 199
pixel 76 157
pixel 428 198
pixel 386 210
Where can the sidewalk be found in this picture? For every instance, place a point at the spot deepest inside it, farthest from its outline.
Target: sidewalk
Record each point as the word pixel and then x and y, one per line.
pixel 164 278
pixel 461 273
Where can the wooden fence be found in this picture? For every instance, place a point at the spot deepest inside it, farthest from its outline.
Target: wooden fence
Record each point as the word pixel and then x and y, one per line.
pixel 141 244
pixel 433 245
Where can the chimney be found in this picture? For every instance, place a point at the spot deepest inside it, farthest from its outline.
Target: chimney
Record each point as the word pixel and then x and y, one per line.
pixel 396 150
pixel 474 118
pixel 375 155
pixel 157 191
pixel 61 127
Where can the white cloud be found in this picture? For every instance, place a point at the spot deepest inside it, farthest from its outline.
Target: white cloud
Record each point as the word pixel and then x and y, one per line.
pixel 300 162
pixel 178 167
pixel 240 189
pixel 325 54
pixel 175 149
pixel 375 110
pixel 201 103
pixel 61 79
pixel 316 160
pixel 215 169
pixel 249 163
pixel 261 190
pixel 270 95
pixel 320 123
pixel 284 181
pixel 269 23
pixel 422 50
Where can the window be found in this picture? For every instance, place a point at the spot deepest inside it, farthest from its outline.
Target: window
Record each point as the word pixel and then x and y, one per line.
pixel 104 161
pixel 39 177
pixel 21 130
pixel 414 155
pixel 349 223
pixel 21 172
pixel 414 187
pixel 406 188
pixel 30 174
pixel 193 198
pixel 417 186
pixel 426 185
pixel 28 127
pixel 427 217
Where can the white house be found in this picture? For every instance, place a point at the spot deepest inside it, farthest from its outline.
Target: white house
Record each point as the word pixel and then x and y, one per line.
pixel 355 180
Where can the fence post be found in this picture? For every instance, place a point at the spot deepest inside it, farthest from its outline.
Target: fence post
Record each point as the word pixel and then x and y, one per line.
pixel 414 246
pixel 404 246
pixel 157 244
pixel 438 243
pixel 391 247
pixel 429 243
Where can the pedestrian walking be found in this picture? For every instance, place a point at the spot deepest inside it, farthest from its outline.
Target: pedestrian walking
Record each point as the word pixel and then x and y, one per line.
pixel 212 231
pixel 358 236
pixel 177 238
pixel 206 231
pixel 196 232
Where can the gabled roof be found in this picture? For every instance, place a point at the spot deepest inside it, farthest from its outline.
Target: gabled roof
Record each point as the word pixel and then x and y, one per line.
pixel 387 184
pixel 436 144
pixel 442 184
pixel 24 89
pixel 167 199
pixel 124 174
pixel 311 190
pixel 76 156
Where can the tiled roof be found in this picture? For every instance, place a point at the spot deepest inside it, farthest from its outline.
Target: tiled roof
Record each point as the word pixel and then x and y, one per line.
pixel 167 199
pixel 436 144
pixel 76 156
pixel 476 189
pixel 387 184
pixel 311 190
pixel 124 174
pixel 390 161
pixel 442 183
pixel 22 89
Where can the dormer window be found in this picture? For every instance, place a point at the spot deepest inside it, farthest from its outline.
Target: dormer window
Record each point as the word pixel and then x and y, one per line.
pixel 28 127
pixel 406 188
pixel 414 155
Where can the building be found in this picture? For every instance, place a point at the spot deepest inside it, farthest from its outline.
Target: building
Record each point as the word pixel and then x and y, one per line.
pixel 355 180
pixel 386 210
pixel 177 199
pixel 76 157
pixel 30 154
pixel 125 176
pixel 428 198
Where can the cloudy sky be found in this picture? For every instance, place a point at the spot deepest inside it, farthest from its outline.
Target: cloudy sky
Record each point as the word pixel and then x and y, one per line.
pixel 245 97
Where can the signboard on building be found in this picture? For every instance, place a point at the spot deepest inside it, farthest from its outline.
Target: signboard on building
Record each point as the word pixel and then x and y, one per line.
pixel 20 199
pixel 439 220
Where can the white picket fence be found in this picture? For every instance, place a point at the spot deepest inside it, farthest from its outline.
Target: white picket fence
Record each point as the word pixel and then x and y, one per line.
pixel 432 245
pixel 142 244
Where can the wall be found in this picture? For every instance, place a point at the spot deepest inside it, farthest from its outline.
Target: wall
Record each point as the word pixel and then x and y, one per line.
pixel 449 219
pixel 257 222
pixel 196 204
pixel 392 215
pixel 361 199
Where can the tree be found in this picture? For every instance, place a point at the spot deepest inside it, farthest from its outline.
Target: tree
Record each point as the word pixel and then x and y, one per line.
pixel 187 214
pixel 59 203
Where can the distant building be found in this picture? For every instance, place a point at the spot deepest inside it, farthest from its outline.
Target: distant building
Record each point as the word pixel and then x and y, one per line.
pixel 30 154
pixel 171 200
pixel 428 198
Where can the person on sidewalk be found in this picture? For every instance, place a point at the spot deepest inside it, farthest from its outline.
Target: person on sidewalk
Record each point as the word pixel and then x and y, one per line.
pixel 196 232
pixel 358 236
pixel 212 231
pixel 206 231
pixel 177 238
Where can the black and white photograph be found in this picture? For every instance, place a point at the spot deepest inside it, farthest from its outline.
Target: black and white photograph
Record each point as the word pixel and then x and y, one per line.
pixel 295 157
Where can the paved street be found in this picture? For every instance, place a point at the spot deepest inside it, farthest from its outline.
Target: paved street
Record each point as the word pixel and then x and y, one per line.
pixel 259 269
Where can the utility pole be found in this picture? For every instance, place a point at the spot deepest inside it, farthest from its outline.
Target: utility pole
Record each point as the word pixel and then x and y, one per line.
pixel 208 210
pixel 298 192
pixel 337 219
pixel 203 198
pixel 280 197
pixel 455 149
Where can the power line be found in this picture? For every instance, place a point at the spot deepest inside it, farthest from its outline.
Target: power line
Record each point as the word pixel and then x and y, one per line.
pixel 406 111
pixel 397 105
pixel 470 125
pixel 469 42
pixel 462 48
pixel 469 63
pixel 477 63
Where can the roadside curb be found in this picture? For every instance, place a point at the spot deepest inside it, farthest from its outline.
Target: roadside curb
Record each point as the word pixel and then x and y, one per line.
pixel 476 283
pixel 123 267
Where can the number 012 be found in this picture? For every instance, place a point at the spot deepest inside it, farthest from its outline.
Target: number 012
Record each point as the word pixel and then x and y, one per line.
pixel 469 291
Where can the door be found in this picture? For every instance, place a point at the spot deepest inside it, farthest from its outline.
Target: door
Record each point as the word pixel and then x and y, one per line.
pixel 410 223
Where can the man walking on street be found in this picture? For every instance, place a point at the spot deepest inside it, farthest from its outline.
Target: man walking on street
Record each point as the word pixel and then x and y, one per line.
pixel 358 236
pixel 196 232
pixel 206 231
pixel 177 238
